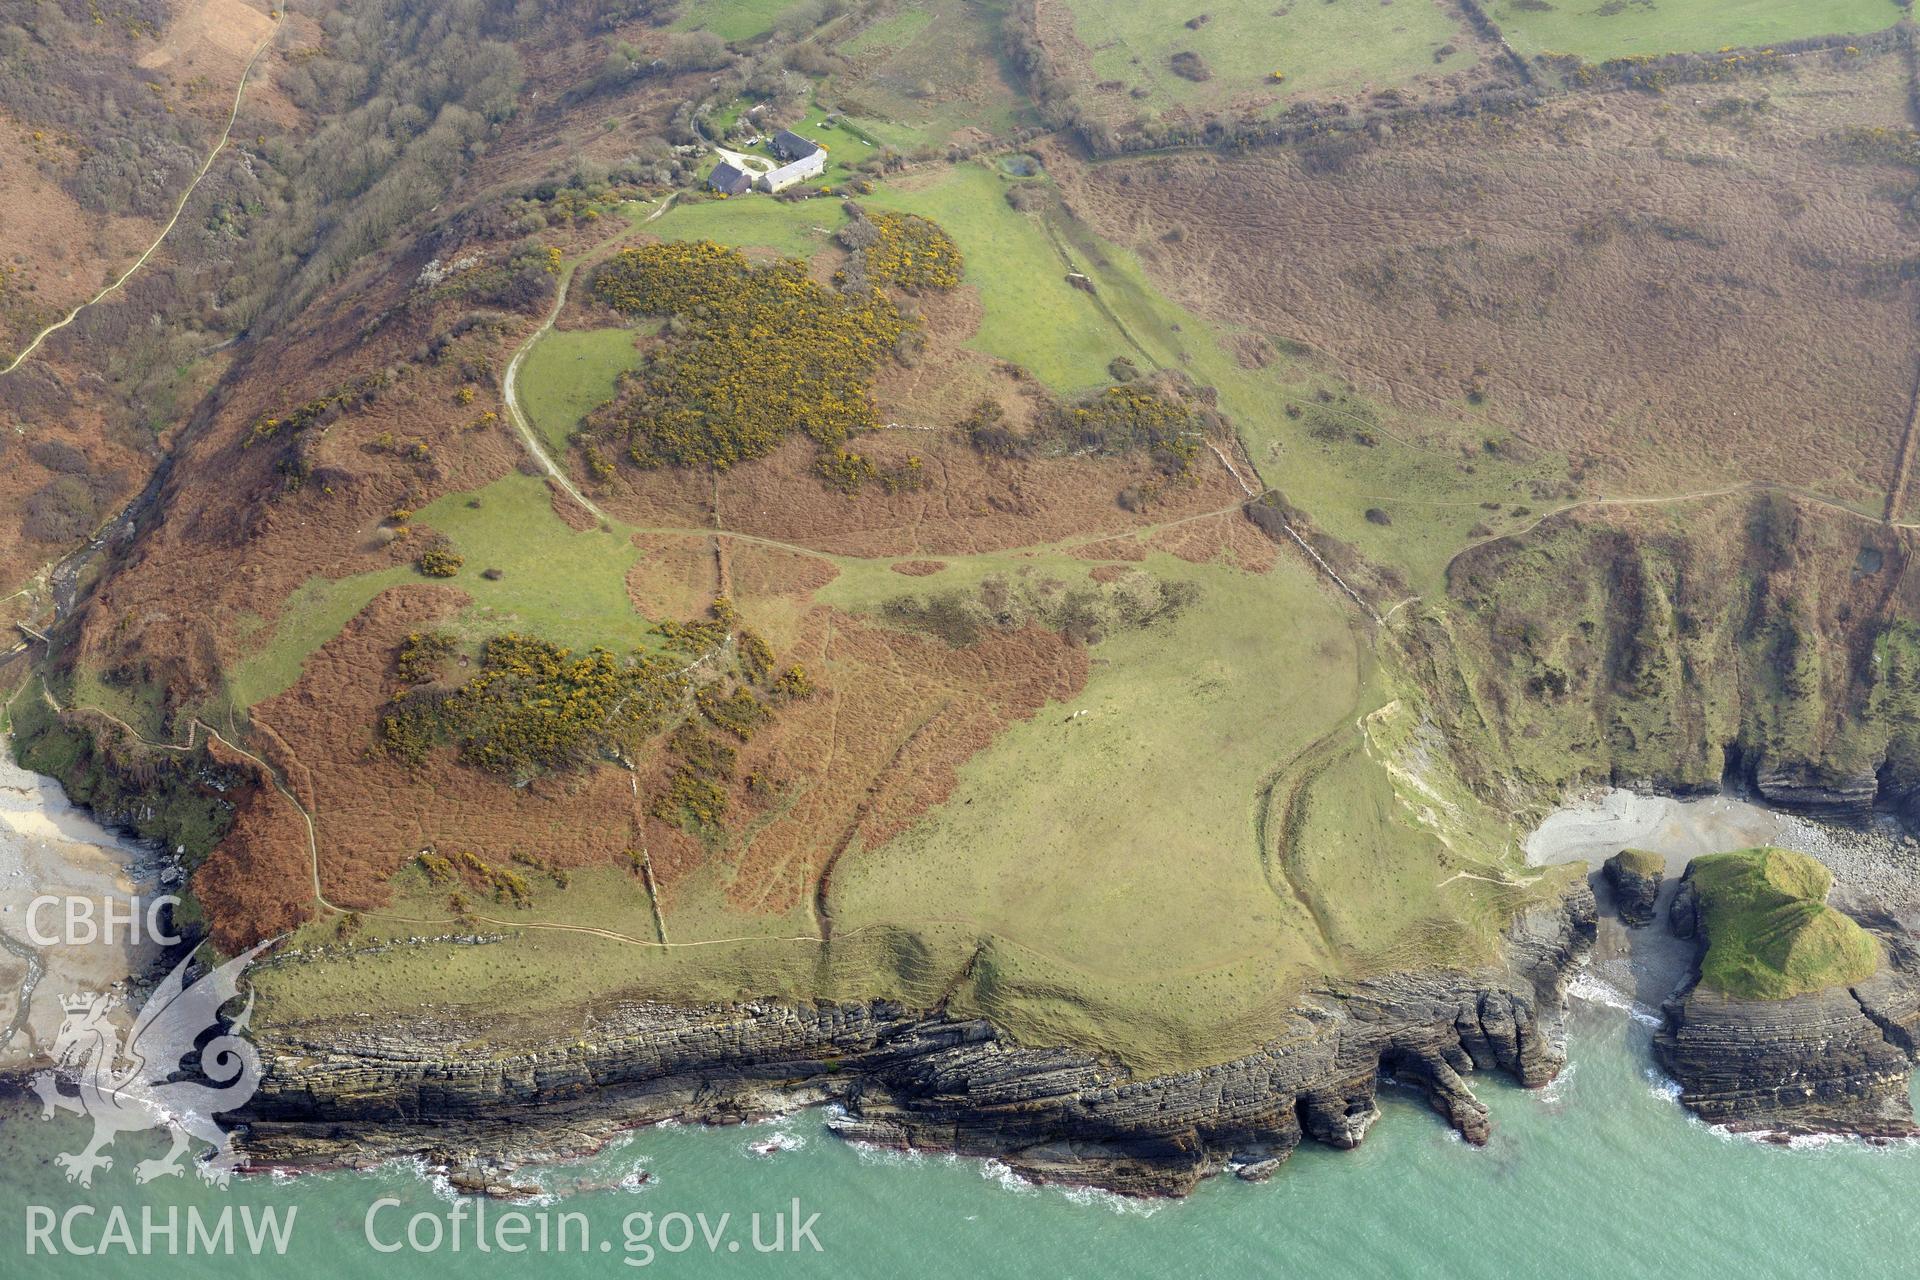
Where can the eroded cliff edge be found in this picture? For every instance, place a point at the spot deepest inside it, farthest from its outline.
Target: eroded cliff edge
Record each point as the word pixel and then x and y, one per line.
pixel 404 1086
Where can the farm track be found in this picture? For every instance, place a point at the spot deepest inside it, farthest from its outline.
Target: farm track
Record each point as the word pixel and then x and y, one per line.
pixel 510 376
pixel 509 394
pixel 206 165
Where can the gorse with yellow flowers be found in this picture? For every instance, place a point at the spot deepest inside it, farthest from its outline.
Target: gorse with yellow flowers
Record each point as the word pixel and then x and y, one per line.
pixel 535 706
pixel 1133 417
pixel 750 355
pixel 913 253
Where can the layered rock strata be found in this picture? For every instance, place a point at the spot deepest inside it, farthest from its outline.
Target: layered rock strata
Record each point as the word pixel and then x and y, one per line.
pixel 905 1078
pixel 1635 877
pixel 1834 1060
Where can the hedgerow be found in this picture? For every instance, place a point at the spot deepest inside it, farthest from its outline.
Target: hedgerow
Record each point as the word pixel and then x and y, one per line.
pixel 753 354
pixel 1144 416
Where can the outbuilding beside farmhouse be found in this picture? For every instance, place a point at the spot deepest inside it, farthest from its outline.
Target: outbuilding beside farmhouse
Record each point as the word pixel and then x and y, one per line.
pixel 727 180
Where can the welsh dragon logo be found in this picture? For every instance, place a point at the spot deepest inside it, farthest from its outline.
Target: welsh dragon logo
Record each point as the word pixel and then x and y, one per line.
pixel 126 1090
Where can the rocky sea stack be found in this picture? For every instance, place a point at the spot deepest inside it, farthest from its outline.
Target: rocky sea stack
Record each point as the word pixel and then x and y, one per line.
pixel 1635 876
pixel 1797 1019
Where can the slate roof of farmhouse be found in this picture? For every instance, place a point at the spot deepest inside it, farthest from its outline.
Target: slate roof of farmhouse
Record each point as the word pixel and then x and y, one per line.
pixel 791 146
pixel 729 179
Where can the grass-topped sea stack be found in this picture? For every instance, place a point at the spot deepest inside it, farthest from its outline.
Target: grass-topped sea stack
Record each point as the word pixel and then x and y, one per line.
pixel 1769 932
pixel 1797 1019
pixel 1635 876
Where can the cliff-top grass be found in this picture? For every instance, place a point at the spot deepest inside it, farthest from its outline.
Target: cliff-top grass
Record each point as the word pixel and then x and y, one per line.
pixel 1229 54
pixel 1770 932
pixel 1597 32
pixel 564 585
pixel 1642 862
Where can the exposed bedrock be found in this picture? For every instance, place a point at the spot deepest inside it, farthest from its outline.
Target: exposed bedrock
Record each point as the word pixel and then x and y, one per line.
pixel 905 1078
pixel 1635 877
pixel 1812 787
pixel 1833 1060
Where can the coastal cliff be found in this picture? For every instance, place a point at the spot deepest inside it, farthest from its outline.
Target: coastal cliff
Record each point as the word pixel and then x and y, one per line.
pixel 1795 1020
pixel 1832 1061
pixel 907 1078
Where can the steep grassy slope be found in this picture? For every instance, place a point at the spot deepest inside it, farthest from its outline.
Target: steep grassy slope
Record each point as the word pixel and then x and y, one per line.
pixel 1671 645
pixel 1770 932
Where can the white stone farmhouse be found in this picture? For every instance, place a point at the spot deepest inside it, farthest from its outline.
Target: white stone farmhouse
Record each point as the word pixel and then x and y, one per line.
pixel 800 159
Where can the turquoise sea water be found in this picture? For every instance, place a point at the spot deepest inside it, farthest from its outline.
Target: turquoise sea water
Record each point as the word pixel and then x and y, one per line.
pixel 1602 1175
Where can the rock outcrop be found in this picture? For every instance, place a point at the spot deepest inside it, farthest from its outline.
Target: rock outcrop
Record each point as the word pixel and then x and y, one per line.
pixel 1832 1060
pixel 912 1079
pixel 1635 877
pixel 1811 786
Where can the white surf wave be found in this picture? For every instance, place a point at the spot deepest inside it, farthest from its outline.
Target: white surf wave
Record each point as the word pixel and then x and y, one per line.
pixel 1589 986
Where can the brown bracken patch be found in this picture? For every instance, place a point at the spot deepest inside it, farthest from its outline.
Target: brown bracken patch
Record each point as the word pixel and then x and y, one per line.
pixel 1674 299
pixel 970 504
pixel 876 746
pixel 258 882
pixel 373 815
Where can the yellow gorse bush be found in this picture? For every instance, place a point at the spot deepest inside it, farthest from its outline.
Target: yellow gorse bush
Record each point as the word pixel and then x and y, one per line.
pixel 756 353
pixel 913 253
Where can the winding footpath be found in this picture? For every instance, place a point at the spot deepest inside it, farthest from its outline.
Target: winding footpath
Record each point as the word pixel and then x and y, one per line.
pixel 510 393
pixel 510 376
pixel 206 165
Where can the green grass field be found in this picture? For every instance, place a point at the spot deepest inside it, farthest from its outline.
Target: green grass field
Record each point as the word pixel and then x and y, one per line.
pixel 1324 48
pixel 798 229
pixel 570 372
pixel 892 33
pixel 1033 316
pixel 1069 825
pixel 929 70
pixel 732 19
pixel 1597 31
pixel 568 587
